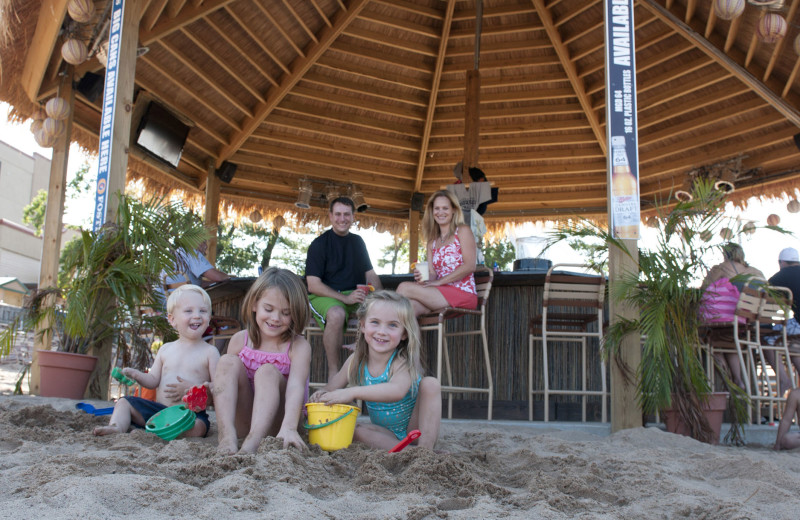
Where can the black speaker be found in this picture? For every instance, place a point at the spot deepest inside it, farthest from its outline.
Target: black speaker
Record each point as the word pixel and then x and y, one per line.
pixel 417 201
pixel 91 86
pixel 226 171
pixel 797 141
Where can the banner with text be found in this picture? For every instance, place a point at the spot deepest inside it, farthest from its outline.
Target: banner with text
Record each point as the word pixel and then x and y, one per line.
pixel 621 127
pixel 107 122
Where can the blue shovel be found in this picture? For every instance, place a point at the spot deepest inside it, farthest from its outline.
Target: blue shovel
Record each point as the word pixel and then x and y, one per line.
pixel 88 408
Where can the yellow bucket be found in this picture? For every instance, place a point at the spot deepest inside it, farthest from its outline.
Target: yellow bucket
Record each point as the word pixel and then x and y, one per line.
pixel 331 426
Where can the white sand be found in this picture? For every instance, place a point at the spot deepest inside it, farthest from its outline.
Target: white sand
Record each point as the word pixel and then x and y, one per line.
pixel 52 467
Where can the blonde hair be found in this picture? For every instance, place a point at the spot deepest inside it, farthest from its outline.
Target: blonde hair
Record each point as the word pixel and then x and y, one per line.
pixel 408 349
pixel 291 287
pixel 733 252
pixel 173 298
pixel 430 229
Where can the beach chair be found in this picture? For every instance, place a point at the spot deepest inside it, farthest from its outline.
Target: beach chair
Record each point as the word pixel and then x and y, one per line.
pixel 572 313
pixel 774 310
pixel 471 323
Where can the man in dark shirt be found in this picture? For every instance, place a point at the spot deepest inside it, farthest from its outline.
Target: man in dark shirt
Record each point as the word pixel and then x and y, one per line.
pixel 336 263
pixel 789 276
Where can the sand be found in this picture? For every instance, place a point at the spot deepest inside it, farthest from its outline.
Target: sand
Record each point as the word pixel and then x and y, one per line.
pixel 52 467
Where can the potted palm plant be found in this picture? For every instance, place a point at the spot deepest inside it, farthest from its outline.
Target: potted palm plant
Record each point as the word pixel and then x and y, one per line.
pixel 665 290
pixel 109 283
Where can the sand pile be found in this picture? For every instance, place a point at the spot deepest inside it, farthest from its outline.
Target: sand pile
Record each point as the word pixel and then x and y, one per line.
pixel 52 467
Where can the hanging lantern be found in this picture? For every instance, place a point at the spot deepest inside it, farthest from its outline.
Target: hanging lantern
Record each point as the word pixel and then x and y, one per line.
pixel 44 139
pixel 36 125
pixel 771 28
pixel 255 216
pixel 278 222
pixel 773 220
pixel 651 222
pixel 706 235
pixel 726 233
pixel 331 192
pixel 728 9
pixel 82 11
pixel 54 127
pixel 684 193
pixel 793 206
pixel 304 194
pixel 749 228
pixel 74 51
pixel 57 108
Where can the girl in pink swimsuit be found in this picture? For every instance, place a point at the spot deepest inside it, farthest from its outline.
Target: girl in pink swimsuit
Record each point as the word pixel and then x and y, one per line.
pixel 261 383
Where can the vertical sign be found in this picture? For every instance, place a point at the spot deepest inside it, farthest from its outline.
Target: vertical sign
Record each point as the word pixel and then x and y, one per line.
pixel 107 122
pixel 621 131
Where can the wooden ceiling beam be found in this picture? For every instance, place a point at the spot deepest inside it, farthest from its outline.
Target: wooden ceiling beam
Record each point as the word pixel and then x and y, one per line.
pixel 512 112
pixel 725 61
pixel 408 98
pixel 223 64
pixel 468 13
pixel 43 44
pixel 362 33
pixel 778 49
pixel 413 63
pixel 187 16
pixel 572 73
pixel 649 118
pixel 175 7
pixel 790 80
pixel 363 70
pixel 299 67
pixel 733 31
pixel 355 136
pixel 514 140
pixel 527 45
pixel 585 6
pixel 503 130
pixel 200 99
pixel 495 30
pixel 152 14
pixel 400 24
pixel 433 97
pixel 363 103
pixel 712 20
pixel 357 150
pixel 514 96
pixel 321 13
pixel 412 8
pixel 279 26
pixel 692 125
pixel 364 121
pixel 301 23
pixel 506 81
pixel 242 52
pixel 257 40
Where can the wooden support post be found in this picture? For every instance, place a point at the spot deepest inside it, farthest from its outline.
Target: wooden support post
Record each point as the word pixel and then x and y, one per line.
pixel 123 108
pixel 472 121
pixel 413 236
pixel 212 212
pixel 625 411
pixel 53 223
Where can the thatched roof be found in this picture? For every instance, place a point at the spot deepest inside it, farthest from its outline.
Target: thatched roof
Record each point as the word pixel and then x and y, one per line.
pixel 373 92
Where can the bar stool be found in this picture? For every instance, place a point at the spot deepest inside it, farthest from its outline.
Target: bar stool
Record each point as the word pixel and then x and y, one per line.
pixel 312 329
pixel 472 323
pixel 572 312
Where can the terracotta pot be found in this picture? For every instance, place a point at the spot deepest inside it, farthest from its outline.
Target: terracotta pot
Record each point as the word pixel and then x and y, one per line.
pixel 714 408
pixel 64 374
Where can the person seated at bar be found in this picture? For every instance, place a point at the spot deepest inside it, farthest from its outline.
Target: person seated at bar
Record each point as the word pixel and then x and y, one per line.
pixel 788 275
pixel 722 285
pixel 447 279
pixel 336 263
pixel 194 269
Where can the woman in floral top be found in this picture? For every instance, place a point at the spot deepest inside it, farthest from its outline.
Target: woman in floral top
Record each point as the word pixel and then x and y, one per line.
pixel 451 259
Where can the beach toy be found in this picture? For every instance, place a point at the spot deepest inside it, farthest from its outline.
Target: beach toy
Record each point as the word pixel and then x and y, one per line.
pixel 413 434
pixel 122 378
pixel 331 427
pixel 196 398
pixel 367 288
pixel 88 408
pixel 171 422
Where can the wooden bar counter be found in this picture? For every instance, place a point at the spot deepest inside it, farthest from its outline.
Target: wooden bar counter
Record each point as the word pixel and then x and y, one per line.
pixel 515 297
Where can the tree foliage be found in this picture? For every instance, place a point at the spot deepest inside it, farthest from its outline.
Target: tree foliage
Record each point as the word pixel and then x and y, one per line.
pixel 33 213
pixel 501 251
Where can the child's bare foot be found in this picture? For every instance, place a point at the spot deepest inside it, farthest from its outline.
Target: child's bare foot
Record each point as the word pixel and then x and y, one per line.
pixel 250 446
pixel 111 429
pixel 227 446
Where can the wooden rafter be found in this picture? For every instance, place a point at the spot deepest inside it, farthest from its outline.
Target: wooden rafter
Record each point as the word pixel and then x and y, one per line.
pixel 299 67
pixel 236 45
pixel 572 73
pixel 184 18
pixel 253 36
pixel 778 49
pixel 153 13
pixel 725 61
pixel 437 78
pixel 48 28
pixel 280 27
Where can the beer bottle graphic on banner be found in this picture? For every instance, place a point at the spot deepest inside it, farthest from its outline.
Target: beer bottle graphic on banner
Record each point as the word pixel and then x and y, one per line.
pixel 624 192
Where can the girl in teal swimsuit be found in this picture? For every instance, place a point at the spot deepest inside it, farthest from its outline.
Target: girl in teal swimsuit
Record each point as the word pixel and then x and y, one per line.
pixel 386 373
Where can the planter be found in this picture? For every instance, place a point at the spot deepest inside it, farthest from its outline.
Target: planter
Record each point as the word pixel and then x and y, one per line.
pixel 714 408
pixel 64 374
